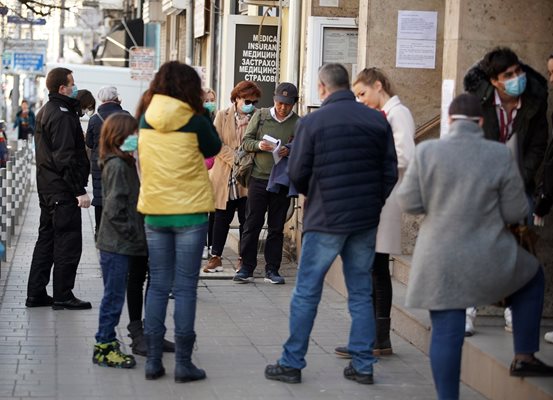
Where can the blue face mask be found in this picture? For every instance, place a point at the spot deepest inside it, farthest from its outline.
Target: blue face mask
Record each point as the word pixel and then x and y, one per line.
pixel 73 94
pixel 248 108
pixel 209 106
pixel 130 144
pixel 515 86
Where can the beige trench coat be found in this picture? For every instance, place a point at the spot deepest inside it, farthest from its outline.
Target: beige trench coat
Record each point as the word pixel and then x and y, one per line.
pixel 219 175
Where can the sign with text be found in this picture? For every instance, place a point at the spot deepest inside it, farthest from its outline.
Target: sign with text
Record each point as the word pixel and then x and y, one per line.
pixel 256 58
pixel 142 63
pixel 22 62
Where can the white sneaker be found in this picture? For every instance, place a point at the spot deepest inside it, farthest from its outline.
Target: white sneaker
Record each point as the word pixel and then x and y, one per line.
pixel 508 319
pixel 469 321
pixel 548 337
pixel 206 254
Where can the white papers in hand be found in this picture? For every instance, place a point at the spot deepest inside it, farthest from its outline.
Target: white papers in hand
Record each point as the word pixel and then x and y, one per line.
pixel 276 148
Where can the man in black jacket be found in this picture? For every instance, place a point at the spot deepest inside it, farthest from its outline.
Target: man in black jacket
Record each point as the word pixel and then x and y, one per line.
pixel 344 161
pixel 514 101
pixel 62 172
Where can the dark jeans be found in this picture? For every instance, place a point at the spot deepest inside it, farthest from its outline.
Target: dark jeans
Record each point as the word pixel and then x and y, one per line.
pixel 221 226
pixel 138 270
pixel 448 331
pixel 59 244
pixel 382 285
pixel 211 222
pixel 115 269
pixel 260 201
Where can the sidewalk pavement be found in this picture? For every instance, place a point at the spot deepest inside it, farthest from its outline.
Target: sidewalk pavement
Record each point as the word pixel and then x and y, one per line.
pixel 47 354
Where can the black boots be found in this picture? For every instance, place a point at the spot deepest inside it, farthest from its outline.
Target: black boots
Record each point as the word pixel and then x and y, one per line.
pixel 185 370
pixel 154 367
pixel 382 344
pixel 138 345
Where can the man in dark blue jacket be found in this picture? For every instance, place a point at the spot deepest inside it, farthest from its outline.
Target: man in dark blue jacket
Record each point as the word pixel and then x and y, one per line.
pixel 344 162
pixel 62 169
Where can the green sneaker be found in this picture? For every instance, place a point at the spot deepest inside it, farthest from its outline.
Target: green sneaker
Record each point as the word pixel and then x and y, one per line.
pixel 109 355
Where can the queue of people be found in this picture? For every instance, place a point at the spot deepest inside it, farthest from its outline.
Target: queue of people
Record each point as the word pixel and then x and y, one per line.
pixel 152 219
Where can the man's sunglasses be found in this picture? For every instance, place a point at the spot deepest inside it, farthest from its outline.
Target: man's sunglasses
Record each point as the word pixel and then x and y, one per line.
pixel 248 102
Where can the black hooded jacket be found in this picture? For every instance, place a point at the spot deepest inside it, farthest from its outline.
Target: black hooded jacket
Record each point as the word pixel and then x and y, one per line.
pixel 530 123
pixel 61 160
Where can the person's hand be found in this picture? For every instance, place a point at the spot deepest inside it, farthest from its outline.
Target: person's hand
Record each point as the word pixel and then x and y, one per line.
pixel 266 146
pixel 539 221
pixel 83 201
pixel 283 151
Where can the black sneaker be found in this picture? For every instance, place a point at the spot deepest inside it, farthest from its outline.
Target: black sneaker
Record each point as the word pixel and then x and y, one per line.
pixel 110 355
pixel 351 374
pixel 42 301
pixel 243 276
pixel 274 277
pixel 277 372
pixel 342 352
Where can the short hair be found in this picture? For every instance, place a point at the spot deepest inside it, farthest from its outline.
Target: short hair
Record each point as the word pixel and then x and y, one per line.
pixel 115 130
pixel 466 104
pixel 497 61
pixel 87 100
pixel 245 89
pixel 108 93
pixel 56 78
pixel 208 90
pixel 334 76
pixel 24 102
pixel 179 81
pixel 369 76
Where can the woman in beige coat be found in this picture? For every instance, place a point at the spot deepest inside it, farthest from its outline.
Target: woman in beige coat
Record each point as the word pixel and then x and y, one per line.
pixel 230 197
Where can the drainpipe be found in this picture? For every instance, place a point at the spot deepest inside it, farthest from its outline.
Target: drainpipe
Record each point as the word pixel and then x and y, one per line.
pixel 189 33
pixel 294 31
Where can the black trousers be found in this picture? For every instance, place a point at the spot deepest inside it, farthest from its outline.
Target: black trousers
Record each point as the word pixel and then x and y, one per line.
pixel 221 226
pixel 260 201
pixel 59 244
pixel 382 285
pixel 97 219
pixel 138 270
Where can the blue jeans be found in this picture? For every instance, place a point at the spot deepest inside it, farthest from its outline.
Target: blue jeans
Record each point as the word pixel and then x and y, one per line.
pixel 115 268
pixel 319 250
pixel 175 261
pixel 448 331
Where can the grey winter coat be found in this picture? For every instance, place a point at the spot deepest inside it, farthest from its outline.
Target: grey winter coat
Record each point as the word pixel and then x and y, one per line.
pixel 468 188
pixel 122 227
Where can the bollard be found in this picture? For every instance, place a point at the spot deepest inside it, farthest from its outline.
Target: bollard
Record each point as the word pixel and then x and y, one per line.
pixel 15 191
pixel 3 213
pixel 9 227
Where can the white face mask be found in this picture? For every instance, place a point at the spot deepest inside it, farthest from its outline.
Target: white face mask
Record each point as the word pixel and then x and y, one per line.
pixel 90 113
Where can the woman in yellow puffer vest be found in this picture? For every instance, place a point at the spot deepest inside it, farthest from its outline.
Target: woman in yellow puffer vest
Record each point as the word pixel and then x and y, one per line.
pixel 176 134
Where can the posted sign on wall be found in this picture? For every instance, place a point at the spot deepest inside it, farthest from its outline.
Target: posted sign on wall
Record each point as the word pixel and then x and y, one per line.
pixel 256 58
pixel 251 54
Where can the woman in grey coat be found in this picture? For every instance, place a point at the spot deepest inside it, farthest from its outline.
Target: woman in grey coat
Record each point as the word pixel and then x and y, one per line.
pixel 469 189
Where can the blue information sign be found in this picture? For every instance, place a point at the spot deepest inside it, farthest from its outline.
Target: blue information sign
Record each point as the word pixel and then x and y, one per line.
pixel 28 62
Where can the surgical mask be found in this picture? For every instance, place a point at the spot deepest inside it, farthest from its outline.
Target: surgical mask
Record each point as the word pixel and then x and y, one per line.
pixel 130 144
pixel 90 113
pixel 209 106
pixel 248 108
pixel 515 86
pixel 74 92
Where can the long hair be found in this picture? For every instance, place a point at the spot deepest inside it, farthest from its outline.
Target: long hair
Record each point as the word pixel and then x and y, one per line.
pixel 115 130
pixel 143 104
pixel 180 81
pixel 369 76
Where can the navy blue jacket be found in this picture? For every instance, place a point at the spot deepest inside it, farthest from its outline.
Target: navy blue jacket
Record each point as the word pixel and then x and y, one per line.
pixel 93 142
pixel 344 160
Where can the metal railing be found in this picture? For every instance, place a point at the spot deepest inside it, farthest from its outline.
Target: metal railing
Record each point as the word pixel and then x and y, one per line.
pixel 15 186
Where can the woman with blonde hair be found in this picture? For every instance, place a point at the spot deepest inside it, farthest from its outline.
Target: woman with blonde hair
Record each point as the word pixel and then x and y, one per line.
pixel 374 89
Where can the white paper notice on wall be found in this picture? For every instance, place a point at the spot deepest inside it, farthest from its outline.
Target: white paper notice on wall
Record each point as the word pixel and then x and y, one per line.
pixel 329 3
pixel 448 93
pixel 416 39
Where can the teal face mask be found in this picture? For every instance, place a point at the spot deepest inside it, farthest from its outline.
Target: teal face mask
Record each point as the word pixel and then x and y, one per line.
pixel 248 108
pixel 130 144
pixel 515 86
pixel 209 106
pixel 74 92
